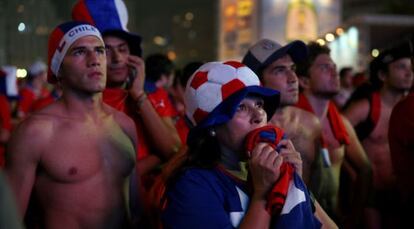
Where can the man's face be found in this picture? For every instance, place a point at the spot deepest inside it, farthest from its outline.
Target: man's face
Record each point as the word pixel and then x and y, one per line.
pixel 280 75
pixel 84 66
pixel 323 77
pixel 400 75
pixel 117 53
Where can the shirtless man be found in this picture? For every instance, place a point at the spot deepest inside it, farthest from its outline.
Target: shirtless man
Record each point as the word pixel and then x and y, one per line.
pixel 275 66
pixel 320 83
pixel 393 68
pixel 158 139
pixel 76 155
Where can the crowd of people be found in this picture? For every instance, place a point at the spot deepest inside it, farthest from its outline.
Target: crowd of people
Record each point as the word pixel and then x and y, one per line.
pixel 101 137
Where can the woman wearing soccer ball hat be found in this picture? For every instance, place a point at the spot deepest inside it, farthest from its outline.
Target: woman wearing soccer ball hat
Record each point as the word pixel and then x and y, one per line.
pixel 226 177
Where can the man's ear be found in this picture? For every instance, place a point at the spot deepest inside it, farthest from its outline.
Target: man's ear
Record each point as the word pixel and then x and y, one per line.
pixel 304 82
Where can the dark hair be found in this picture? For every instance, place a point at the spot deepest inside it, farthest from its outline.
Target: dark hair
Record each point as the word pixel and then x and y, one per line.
pixel 188 71
pixel 156 65
pixel 181 77
pixel 375 67
pixel 314 50
pixel 343 71
pixel 203 152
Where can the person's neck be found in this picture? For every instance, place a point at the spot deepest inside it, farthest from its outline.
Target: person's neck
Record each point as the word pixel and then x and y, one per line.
pixel 391 97
pixel 319 104
pixel 229 159
pixel 82 105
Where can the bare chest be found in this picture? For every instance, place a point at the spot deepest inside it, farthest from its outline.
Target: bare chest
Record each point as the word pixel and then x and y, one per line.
pixel 379 136
pixel 335 148
pixel 301 136
pixel 79 151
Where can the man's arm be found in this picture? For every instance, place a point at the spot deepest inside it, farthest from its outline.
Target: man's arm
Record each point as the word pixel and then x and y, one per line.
pixel 22 158
pixel 357 112
pixel 163 134
pixel 323 217
pixel 358 160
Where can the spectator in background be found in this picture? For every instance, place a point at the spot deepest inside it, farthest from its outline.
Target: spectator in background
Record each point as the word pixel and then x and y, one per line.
pixel 177 94
pixel 5 120
pixel 159 71
pixel 5 126
pixel 346 77
pixel 320 82
pixel 275 65
pixel 392 78
pixel 401 141
pixel 34 89
pixel 358 79
pixel 179 83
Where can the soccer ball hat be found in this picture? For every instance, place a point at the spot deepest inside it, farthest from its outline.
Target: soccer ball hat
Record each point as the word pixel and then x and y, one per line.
pixel 215 90
pixel 60 40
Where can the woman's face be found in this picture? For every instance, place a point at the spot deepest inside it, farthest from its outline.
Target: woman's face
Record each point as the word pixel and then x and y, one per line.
pixel 249 115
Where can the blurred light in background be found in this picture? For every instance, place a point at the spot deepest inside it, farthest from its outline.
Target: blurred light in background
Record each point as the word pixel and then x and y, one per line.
pixel 21 27
pixel 189 16
pixel 171 55
pixel 374 52
pixel 159 40
pixel 329 37
pixel 21 73
pixel 339 31
pixel 321 42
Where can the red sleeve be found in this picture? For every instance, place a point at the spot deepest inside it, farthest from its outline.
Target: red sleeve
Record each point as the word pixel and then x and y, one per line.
pixel 5 117
pixel 27 98
pixel 162 103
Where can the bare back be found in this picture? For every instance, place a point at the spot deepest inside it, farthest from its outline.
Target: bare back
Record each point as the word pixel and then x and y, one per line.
pixel 78 167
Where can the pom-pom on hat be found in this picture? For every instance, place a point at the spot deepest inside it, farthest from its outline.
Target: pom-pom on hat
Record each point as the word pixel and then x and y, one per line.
pixel 60 40
pixel 215 90
pixel 110 17
pixel 265 51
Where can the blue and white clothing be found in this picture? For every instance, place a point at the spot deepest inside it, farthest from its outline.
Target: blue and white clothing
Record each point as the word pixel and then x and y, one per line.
pixel 211 198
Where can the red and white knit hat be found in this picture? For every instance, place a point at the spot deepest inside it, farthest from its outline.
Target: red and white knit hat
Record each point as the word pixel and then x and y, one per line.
pixel 61 38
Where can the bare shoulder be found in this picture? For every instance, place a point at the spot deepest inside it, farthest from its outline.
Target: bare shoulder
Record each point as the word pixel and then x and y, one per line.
pixel 307 119
pixel 357 111
pixel 123 120
pixel 32 135
pixel 348 126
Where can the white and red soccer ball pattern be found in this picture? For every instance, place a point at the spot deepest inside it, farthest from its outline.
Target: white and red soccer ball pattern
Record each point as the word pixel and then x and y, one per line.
pixel 212 83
